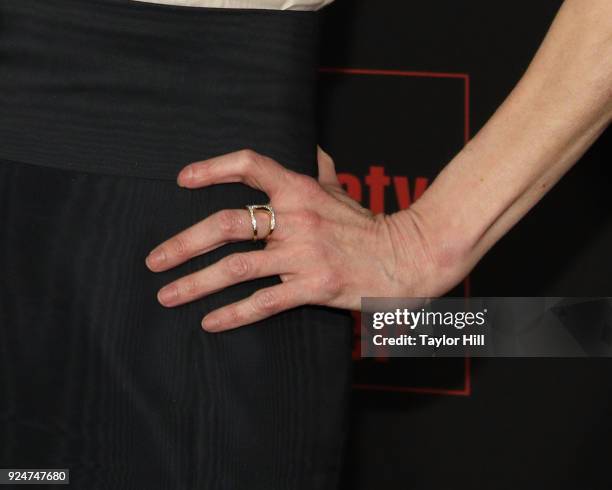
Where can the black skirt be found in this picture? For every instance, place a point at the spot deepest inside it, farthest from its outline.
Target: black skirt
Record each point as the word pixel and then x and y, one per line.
pixel 101 104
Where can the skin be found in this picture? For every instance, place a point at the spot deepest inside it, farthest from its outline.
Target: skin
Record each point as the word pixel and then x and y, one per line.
pixel 557 110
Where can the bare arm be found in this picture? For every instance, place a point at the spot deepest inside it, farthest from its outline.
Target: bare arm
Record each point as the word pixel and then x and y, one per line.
pixel 556 111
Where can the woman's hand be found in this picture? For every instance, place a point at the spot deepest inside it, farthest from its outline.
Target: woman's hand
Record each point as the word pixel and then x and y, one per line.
pixel 326 248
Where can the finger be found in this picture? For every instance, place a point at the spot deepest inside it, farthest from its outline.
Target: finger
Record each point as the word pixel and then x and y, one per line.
pixel 327 169
pixel 260 305
pixel 244 166
pixel 229 225
pixel 228 271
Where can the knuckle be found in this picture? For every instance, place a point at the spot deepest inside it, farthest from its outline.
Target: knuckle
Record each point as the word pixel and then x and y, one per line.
pixel 228 222
pixel 309 186
pixel 249 159
pixel 238 265
pixel 309 219
pixel 179 246
pixel 267 301
pixel 232 315
pixel 190 288
pixel 329 283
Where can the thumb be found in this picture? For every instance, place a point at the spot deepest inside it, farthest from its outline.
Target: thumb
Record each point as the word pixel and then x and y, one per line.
pixel 327 169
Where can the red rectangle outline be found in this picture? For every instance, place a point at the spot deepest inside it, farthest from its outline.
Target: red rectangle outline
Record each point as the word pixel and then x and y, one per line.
pixel 467 379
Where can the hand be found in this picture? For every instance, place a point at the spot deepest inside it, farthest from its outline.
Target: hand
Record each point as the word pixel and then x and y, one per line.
pixel 326 248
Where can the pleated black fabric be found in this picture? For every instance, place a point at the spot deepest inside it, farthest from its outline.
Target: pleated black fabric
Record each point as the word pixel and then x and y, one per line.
pixel 95 375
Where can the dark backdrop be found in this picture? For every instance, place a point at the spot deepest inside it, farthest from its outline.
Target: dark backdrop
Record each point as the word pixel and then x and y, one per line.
pixel 402 85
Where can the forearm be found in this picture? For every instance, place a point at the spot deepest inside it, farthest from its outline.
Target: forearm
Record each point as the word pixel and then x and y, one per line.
pixel 560 106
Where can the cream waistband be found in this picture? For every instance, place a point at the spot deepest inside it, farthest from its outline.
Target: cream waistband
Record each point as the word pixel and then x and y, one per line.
pixel 255 4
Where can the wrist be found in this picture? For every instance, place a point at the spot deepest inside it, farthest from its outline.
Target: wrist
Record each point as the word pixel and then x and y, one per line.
pixel 430 256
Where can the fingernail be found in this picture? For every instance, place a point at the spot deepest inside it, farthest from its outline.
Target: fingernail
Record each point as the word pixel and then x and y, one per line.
pixel 155 258
pixel 210 323
pixel 167 295
pixel 185 175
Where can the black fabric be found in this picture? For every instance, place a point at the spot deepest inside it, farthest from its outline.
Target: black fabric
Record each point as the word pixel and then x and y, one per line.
pixel 95 375
pixel 131 88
